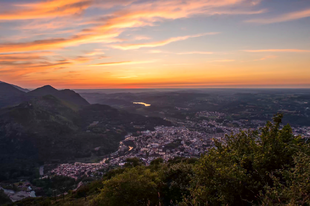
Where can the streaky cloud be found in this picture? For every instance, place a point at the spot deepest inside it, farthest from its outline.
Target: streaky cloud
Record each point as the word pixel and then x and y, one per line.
pixel 121 63
pixel 160 43
pixel 283 18
pixel 278 50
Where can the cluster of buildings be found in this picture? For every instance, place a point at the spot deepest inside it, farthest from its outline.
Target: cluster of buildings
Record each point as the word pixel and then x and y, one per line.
pixel 303 131
pixel 77 169
pixel 208 114
pixel 191 139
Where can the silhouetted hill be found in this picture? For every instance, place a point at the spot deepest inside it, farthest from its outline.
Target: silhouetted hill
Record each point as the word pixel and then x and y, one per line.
pixel 10 95
pixel 17 87
pixel 67 95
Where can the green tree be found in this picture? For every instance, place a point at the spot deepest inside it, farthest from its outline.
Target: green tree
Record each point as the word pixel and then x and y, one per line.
pixel 238 168
pixel 136 186
pixel 175 182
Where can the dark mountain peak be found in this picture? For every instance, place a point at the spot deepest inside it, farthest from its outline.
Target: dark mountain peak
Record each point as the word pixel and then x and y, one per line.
pixel 46 89
pixel 67 95
pixel 6 85
pixel 17 87
pixel 10 95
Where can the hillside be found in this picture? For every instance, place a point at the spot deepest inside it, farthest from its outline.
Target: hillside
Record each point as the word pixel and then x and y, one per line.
pixel 48 129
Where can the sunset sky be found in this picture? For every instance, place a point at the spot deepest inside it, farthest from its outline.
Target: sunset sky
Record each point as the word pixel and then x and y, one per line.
pixel 155 43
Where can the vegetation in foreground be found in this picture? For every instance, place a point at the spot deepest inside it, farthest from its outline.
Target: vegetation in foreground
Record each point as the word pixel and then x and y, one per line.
pixel 266 167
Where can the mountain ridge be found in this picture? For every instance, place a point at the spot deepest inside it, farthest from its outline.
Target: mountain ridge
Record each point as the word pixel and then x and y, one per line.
pixel 11 95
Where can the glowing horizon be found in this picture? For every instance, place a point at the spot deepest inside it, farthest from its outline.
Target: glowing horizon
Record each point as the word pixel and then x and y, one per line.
pixel 104 44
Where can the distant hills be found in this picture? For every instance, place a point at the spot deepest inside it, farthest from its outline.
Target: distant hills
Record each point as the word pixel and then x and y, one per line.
pixel 48 125
pixel 12 95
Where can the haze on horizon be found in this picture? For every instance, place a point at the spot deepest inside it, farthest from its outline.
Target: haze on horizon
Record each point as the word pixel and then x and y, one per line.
pixel 85 44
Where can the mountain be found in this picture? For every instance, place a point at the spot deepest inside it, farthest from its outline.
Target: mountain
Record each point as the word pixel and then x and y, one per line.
pixel 67 95
pixel 10 95
pixel 17 87
pixel 50 129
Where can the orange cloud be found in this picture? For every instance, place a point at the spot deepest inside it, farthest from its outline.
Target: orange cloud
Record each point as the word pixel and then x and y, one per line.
pixel 46 9
pixel 141 37
pixel 267 57
pixel 95 53
pixel 106 30
pixel 278 50
pixel 57 43
pixel 196 52
pixel 23 56
pixel 283 18
pixel 223 60
pixel 160 43
pixel 122 63
pixel 19 64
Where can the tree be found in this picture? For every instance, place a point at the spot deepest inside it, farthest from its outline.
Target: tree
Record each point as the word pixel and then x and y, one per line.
pixel 175 182
pixel 238 168
pixel 136 186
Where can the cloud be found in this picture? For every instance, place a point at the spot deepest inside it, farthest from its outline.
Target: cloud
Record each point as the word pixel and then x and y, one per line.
pixel 141 37
pixel 283 18
pixel 19 64
pixel 122 63
pixel 157 51
pixel 223 60
pixel 23 56
pixel 80 60
pixel 16 68
pixel 267 57
pixel 195 52
pixel 106 30
pixel 180 53
pixel 95 53
pixel 56 43
pixel 46 9
pixel 278 50
pixel 159 43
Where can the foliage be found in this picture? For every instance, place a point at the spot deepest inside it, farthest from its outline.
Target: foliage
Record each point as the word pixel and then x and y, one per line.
pixel 293 188
pixel 175 182
pixel 238 168
pixel 136 186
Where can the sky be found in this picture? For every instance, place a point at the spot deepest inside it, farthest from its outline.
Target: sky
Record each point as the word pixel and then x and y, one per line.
pixel 98 44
